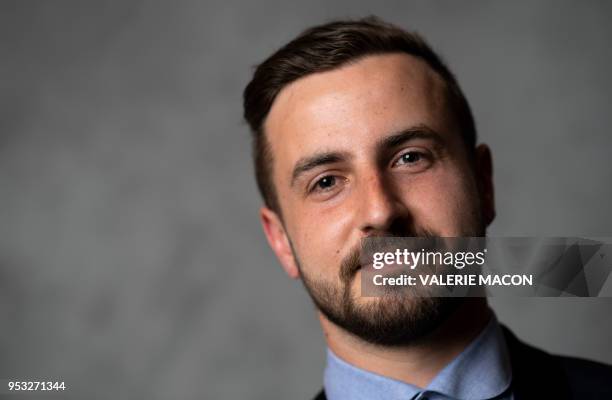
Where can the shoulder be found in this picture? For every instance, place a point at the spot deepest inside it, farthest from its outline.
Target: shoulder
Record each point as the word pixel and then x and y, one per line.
pixel 587 379
pixel 535 370
pixel 538 374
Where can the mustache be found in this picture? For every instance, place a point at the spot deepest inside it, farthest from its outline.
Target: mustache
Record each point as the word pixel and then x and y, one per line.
pixel 351 263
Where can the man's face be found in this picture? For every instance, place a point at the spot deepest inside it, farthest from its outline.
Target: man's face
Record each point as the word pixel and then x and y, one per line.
pixel 371 148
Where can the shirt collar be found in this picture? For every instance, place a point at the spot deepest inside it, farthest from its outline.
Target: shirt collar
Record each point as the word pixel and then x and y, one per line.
pixel 481 371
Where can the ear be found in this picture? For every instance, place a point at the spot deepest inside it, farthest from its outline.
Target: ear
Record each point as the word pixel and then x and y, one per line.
pixel 484 174
pixel 279 241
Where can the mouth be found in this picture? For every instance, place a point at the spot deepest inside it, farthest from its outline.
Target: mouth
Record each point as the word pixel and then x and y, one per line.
pixel 387 268
pixel 359 268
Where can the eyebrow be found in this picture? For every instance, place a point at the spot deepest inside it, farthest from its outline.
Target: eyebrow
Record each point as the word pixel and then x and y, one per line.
pixel 415 132
pixel 308 163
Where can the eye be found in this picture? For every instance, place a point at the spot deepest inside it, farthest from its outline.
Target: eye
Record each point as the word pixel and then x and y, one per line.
pixel 326 186
pixel 324 183
pixel 409 157
pixel 413 160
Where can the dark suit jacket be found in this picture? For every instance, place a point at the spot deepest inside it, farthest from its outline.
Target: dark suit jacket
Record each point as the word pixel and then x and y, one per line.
pixel 538 375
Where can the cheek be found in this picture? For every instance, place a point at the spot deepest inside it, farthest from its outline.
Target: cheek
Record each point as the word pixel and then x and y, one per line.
pixel 444 202
pixel 320 240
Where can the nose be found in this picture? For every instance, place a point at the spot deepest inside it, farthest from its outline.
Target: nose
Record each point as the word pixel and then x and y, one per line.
pixel 382 211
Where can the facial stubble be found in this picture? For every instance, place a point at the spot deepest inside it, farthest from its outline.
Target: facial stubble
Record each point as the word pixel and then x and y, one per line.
pixel 399 318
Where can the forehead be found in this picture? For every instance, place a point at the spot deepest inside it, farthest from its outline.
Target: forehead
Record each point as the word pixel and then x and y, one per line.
pixel 348 107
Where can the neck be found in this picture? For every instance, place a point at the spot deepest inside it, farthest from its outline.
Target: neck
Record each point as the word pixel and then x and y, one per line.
pixel 418 363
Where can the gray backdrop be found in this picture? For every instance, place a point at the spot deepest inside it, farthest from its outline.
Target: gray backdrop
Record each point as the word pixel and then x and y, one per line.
pixel 132 263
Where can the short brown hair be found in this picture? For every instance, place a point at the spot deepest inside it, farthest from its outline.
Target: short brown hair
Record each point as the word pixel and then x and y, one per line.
pixel 323 48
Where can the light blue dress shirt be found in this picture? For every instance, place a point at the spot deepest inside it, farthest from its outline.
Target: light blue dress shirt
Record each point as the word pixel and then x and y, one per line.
pixel 481 372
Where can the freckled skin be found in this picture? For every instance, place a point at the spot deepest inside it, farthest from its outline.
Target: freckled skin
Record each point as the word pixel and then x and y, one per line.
pixel 349 109
pixel 329 209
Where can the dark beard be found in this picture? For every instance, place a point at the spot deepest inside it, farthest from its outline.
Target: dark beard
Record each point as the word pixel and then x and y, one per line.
pixel 396 319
